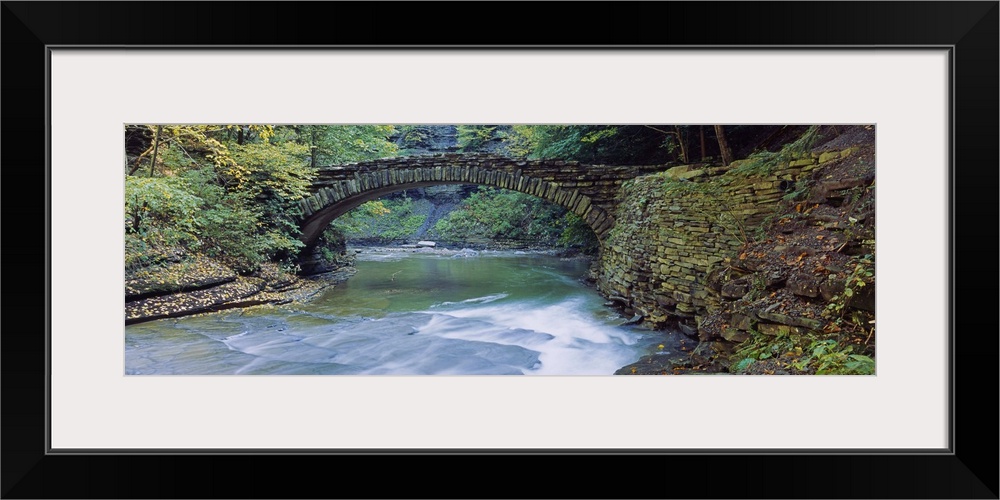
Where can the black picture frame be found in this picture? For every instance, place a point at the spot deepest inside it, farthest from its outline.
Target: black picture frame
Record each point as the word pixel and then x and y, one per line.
pixel 968 470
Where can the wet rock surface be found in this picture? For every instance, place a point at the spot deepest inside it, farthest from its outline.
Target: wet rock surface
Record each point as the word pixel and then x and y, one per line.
pixel 218 288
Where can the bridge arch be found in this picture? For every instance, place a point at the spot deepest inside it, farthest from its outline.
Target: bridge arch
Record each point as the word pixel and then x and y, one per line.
pixel 338 189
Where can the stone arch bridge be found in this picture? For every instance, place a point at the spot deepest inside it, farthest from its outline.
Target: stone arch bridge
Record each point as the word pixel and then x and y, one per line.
pixel 589 191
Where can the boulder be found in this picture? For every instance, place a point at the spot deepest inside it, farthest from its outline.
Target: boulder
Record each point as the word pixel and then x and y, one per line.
pixel 812 324
pixel 426 244
pixel 775 279
pixel 735 289
pixel 831 287
pixel 780 330
pixel 803 285
pixel 741 321
pixel 735 335
pixel 863 298
pixel 686 329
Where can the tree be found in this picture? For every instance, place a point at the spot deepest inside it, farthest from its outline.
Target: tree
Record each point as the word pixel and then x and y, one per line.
pixel 727 154
pixel 701 133
pixel 609 144
pixel 156 145
pixel 333 144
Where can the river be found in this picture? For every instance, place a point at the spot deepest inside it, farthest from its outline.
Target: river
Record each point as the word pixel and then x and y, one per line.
pixel 485 313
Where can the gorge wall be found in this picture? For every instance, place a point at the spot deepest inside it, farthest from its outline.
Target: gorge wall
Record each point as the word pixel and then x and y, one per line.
pixel 678 250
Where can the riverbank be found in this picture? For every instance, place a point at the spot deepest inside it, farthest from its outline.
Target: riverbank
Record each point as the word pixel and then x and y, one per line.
pixel 201 285
pixel 188 285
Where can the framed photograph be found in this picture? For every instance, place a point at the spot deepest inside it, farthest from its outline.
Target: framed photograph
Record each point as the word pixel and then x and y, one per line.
pixel 83 392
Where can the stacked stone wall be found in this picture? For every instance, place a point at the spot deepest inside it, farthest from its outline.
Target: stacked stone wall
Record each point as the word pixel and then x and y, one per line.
pixel 675 227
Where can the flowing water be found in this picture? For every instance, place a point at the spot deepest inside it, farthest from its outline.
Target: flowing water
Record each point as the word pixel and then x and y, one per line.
pixel 407 314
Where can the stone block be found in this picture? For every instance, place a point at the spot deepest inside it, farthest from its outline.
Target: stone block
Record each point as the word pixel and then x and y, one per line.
pixel 831 287
pixel 691 174
pixel 784 319
pixel 676 171
pixel 828 155
pixel 803 285
pixel 735 289
pixel 734 335
pixel 780 330
pixel 864 298
pixel 741 321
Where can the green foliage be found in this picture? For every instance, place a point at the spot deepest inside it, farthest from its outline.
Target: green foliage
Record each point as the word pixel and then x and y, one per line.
pixel 763 163
pixel 742 365
pixel 156 201
pixel 862 275
pixel 159 219
pixel 331 243
pixel 829 358
pixel 577 234
pixel 759 347
pixel 229 232
pixel 611 144
pixel 230 191
pixel 381 220
pixel 334 144
pixel 800 191
pixel 272 170
pixel 599 134
pixel 168 214
pixel 571 142
pixel 411 137
pixel 491 214
pixel 473 137
pixel 805 354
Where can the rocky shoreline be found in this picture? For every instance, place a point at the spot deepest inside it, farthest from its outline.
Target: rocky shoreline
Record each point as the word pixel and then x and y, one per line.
pixel 189 285
pixel 202 285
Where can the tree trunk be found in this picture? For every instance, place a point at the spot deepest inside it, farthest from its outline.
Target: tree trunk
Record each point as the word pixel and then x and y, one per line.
pixel 680 140
pixel 239 136
pixel 313 148
pixel 727 154
pixel 701 131
pixel 156 145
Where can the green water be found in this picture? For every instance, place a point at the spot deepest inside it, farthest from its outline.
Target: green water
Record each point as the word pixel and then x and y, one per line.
pixel 410 314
